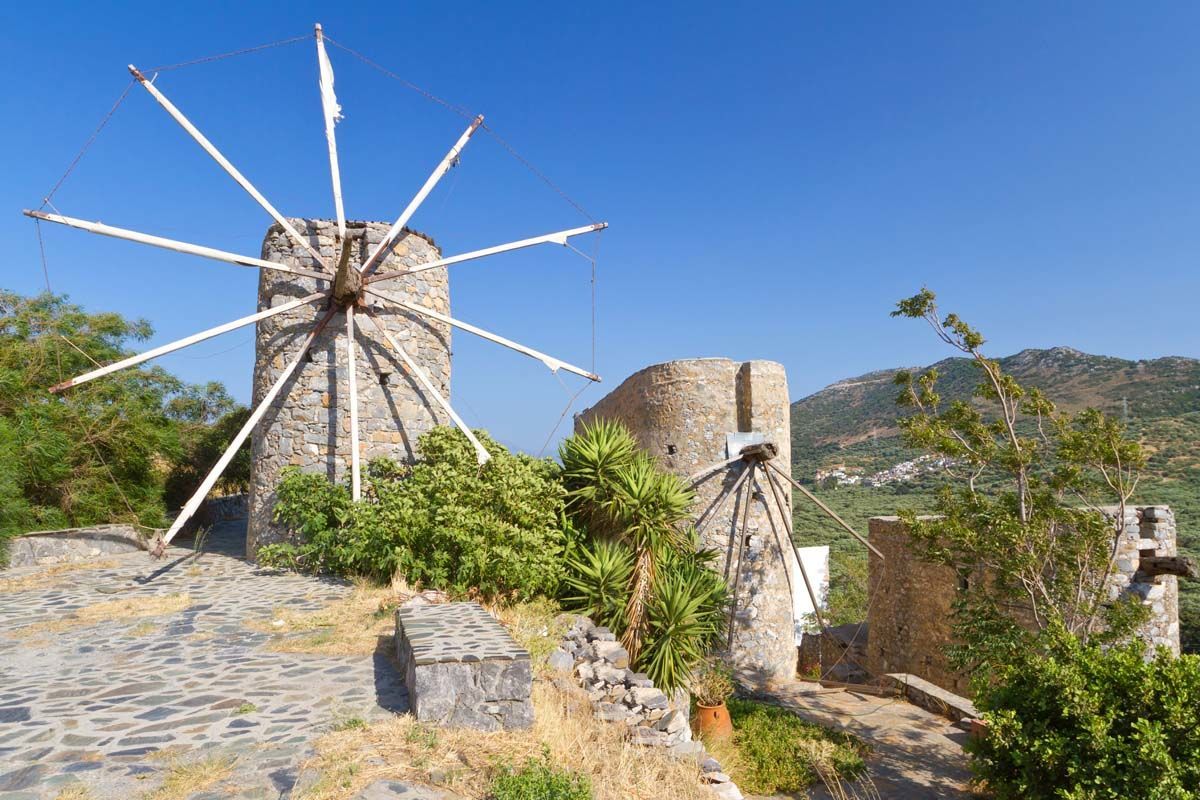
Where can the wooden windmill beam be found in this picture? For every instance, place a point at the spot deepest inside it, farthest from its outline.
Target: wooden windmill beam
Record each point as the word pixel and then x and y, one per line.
pixel 552 363
pixel 776 492
pixel 172 244
pixel 186 341
pixel 214 474
pixel 558 237
pixel 444 166
pixel 825 508
pixel 707 518
pixel 224 163
pixel 351 367
pixel 481 454
pixel 741 536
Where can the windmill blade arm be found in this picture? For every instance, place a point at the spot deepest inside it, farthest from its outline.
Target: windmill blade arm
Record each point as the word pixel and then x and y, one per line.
pixel 481 454
pixel 332 112
pixel 352 379
pixel 558 237
pixel 552 363
pixel 828 511
pixel 196 499
pixel 224 163
pixel 172 244
pixel 440 170
pixel 179 344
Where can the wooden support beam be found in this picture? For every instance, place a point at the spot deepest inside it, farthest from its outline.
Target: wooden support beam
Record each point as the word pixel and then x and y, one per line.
pixel 351 368
pixel 704 519
pixel 1183 566
pixel 741 536
pixel 186 341
pixel 776 492
pixel 552 363
pixel 224 163
pixel 444 166
pixel 481 454
pixel 196 499
pixel 559 237
pixel 173 244
pixel 826 509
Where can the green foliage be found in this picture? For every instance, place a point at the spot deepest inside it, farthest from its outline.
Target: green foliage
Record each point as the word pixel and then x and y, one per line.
pixel 444 522
pixel 777 752
pixel 1073 721
pixel 637 568
pixel 99 452
pixel 1034 548
pixel 207 420
pixel 539 779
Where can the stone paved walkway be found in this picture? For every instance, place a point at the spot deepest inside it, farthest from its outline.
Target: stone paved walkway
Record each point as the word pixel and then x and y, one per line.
pixel 915 755
pixel 115 704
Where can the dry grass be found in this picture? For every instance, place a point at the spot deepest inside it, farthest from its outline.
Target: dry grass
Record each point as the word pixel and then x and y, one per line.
pixel 466 762
pixel 536 625
pixel 76 791
pixel 143 629
pixel 356 625
pixel 109 611
pixel 49 575
pixel 185 778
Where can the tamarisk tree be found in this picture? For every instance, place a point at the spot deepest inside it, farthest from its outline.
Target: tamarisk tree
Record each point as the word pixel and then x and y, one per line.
pixel 1027 519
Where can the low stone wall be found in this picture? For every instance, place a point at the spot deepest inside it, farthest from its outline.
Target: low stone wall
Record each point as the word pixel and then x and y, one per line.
pixel 462 669
pixel 599 664
pixel 73 545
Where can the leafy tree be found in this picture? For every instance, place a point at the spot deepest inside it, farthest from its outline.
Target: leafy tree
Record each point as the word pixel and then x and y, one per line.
pixel 445 522
pixel 1036 549
pixel 1073 721
pixel 99 452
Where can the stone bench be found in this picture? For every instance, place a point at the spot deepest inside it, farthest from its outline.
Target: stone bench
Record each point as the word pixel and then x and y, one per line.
pixel 462 669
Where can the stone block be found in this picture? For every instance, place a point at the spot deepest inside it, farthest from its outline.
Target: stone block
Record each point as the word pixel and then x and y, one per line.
pixel 462 669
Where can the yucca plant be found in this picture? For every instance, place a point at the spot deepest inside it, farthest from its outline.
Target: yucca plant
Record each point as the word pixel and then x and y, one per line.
pixel 591 459
pixel 647 508
pixel 598 581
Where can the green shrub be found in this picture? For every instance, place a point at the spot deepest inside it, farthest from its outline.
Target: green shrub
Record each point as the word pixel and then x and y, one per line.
pixel 1076 722
pixel 776 752
pixel 444 523
pixel 540 780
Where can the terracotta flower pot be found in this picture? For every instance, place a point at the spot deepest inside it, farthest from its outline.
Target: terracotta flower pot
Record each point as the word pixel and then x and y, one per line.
pixel 713 721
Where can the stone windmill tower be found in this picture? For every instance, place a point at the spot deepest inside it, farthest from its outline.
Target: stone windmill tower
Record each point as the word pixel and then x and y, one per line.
pixel 353 328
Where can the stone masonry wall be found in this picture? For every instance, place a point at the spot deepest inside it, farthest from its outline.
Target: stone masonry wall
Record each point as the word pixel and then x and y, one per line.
pixel 680 412
pixel 909 624
pixel 308 425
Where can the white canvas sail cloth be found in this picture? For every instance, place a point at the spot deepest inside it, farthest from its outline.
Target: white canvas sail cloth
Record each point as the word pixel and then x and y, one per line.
pixel 333 111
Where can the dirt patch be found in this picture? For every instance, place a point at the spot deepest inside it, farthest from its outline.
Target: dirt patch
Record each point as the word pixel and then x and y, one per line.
pixel 466 762
pixel 110 611
pixel 356 625
pixel 49 575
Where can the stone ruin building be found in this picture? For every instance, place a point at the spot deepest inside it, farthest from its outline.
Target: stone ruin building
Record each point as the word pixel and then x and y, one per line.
pixel 308 426
pixel 909 626
pixel 683 413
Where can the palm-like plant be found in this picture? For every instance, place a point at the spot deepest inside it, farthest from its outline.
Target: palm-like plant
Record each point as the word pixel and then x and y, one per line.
pixel 646 507
pixel 621 496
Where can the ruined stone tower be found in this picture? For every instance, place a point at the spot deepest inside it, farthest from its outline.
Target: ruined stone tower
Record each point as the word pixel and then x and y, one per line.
pixel 308 424
pixel 682 413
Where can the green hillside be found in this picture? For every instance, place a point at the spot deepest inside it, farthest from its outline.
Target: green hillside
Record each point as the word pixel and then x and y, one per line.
pixel 851 424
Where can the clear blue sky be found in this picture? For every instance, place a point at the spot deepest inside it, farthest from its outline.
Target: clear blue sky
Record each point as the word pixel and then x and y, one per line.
pixel 776 176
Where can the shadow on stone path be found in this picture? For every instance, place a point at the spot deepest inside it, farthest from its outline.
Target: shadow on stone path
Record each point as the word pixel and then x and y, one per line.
pixel 111 705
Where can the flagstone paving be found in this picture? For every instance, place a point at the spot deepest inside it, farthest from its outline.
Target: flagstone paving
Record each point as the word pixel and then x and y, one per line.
pixel 114 705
